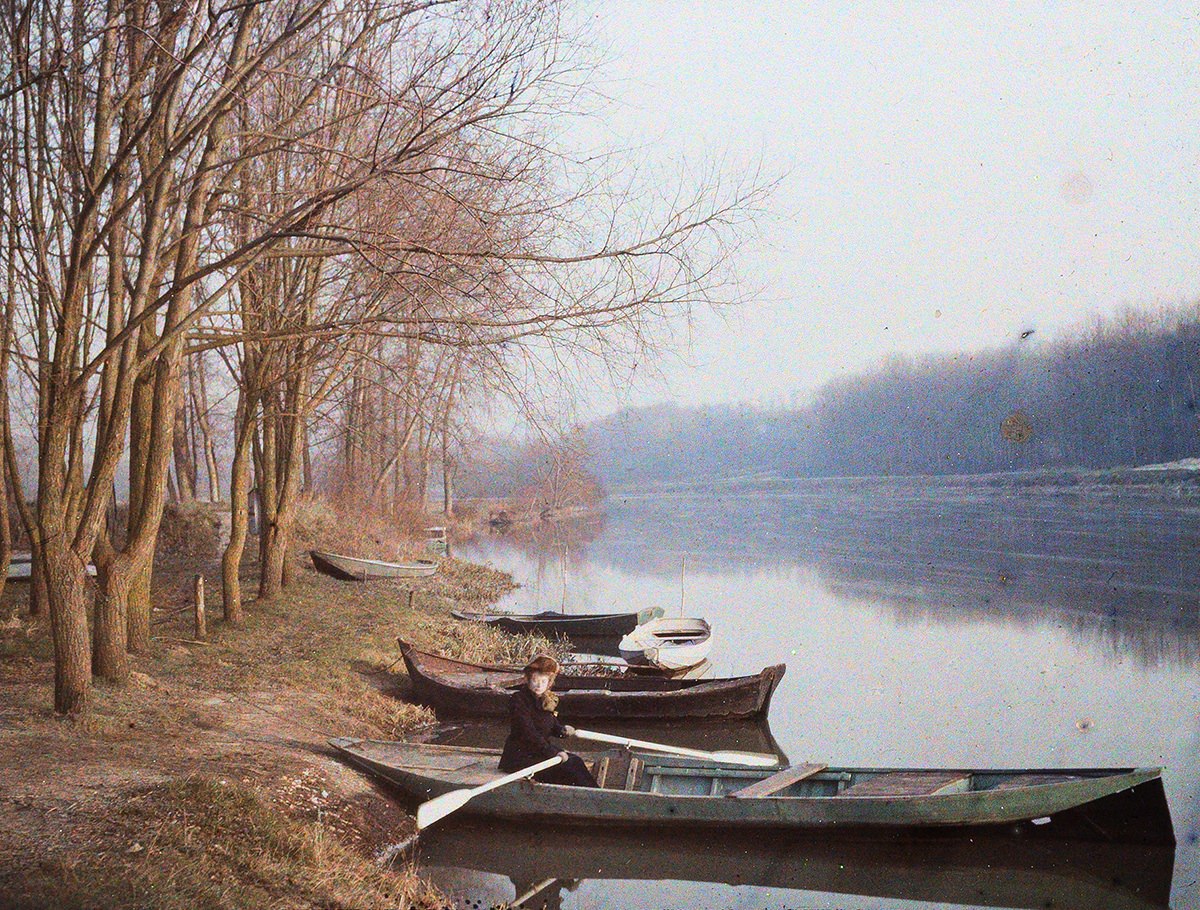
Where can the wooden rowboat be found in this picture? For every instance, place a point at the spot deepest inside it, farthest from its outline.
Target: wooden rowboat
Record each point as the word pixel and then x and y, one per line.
pixel 673 644
pixel 461 689
pixel 573 625
pixel 20 567
pixel 1126 805
pixel 351 568
pixel 978 871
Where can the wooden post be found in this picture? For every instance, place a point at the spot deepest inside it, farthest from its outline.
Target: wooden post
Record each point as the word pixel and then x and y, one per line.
pixel 201 629
pixel 411 594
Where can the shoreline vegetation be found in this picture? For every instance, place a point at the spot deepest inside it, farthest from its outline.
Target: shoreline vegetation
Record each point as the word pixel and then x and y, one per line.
pixel 206 782
pixel 1173 480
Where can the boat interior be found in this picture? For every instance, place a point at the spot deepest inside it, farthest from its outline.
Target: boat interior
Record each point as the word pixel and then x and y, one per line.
pixel 622 769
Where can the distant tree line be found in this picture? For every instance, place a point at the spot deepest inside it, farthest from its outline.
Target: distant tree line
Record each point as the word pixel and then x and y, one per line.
pixel 1122 391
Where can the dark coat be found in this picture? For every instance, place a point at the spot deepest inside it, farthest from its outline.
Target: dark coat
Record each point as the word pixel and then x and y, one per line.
pixel 529 743
pixel 531 727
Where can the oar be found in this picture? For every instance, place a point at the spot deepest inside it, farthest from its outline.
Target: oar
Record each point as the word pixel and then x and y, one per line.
pixel 752 759
pixel 441 806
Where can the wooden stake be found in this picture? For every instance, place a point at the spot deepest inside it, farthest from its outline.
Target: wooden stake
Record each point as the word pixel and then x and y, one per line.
pixel 201 629
pixel 411 594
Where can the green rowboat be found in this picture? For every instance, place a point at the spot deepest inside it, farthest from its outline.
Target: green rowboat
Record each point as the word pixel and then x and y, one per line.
pixel 1125 805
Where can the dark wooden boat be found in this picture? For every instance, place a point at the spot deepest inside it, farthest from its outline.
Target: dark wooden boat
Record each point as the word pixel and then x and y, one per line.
pixel 352 568
pixel 997 870
pixel 463 689
pixel 572 625
pixel 1126 805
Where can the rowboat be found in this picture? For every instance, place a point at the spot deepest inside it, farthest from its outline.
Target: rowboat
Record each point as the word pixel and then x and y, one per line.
pixel 20 567
pixel 1125 805
pixel 995 870
pixel 461 689
pixel 672 644
pixel 351 568
pixel 550 622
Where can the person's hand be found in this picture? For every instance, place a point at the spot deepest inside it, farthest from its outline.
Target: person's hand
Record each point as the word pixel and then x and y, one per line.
pixel 568 730
pixel 564 754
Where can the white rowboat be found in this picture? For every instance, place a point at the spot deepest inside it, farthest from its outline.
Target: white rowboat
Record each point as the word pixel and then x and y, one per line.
pixel 671 644
pixel 351 568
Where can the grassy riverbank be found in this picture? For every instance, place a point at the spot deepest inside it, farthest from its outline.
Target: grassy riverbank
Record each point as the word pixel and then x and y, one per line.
pixel 206 781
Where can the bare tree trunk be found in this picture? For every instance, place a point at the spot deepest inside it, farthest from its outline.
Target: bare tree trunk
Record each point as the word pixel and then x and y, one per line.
pixel 110 655
pixel 266 464
pixel 239 500
pixel 200 404
pixel 184 456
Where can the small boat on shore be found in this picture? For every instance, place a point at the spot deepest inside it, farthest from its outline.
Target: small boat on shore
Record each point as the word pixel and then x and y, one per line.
pixel 20 567
pixel 1119 805
pixel 551 623
pixel 672 644
pixel 461 689
pixel 352 568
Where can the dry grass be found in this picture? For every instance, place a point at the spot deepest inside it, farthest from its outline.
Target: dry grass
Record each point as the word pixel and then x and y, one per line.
pixel 207 842
pixel 180 770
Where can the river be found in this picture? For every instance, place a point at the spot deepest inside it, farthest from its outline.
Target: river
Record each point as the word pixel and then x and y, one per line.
pixel 922 624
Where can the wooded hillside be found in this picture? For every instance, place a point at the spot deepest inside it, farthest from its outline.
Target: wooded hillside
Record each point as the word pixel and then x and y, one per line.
pixel 1123 391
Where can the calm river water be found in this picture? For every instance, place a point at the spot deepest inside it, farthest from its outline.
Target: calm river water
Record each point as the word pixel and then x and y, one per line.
pixel 921 625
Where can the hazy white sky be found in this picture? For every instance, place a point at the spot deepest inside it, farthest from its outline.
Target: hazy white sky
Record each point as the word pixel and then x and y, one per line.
pixel 956 173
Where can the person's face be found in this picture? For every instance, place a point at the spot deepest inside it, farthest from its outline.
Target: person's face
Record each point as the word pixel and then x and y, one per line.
pixel 539 683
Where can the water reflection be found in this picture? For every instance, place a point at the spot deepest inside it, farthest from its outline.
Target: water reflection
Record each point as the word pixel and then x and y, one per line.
pixel 1121 572
pixel 920 627
pixel 985 872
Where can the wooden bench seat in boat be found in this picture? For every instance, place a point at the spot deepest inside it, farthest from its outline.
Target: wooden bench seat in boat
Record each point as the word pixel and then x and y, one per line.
pixel 909 783
pixel 780 780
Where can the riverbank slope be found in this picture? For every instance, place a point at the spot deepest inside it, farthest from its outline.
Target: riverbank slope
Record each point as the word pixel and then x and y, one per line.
pixel 206 782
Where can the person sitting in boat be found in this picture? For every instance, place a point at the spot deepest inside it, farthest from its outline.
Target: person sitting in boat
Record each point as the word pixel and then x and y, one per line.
pixel 534 719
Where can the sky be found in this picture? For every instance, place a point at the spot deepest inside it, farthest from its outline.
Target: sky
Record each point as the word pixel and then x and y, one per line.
pixel 953 174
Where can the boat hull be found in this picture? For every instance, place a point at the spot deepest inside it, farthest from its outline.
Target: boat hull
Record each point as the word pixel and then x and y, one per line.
pixel 671 644
pixel 550 623
pixel 349 568
pixel 1123 805
pixel 460 689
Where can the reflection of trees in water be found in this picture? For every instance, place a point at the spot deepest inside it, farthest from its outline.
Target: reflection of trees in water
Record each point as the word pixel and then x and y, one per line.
pixel 556 546
pixel 1119 572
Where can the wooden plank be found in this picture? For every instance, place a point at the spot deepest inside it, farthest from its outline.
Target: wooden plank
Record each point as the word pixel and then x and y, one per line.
pixel 777 781
pixel 907 783
pixel 634 775
pixel 599 769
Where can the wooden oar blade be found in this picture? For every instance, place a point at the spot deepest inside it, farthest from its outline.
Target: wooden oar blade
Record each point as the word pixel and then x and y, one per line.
pixel 440 806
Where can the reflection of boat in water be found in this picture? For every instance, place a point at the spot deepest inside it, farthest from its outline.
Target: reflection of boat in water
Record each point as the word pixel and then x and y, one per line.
pixel 990 871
